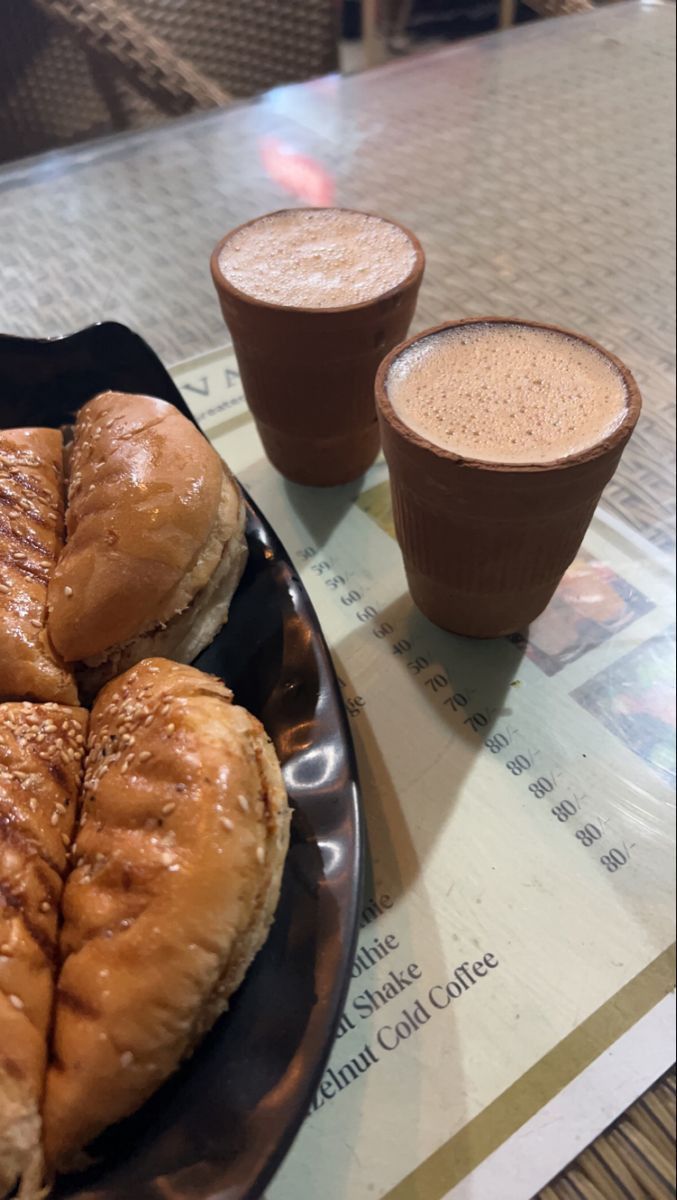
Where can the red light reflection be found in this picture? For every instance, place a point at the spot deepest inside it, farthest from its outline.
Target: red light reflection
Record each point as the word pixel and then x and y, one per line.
pixel 299 174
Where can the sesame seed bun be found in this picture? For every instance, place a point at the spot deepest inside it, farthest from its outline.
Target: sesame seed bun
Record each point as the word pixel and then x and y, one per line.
pixel 178 862
pixel 41 750
pixel 152 514
pixel 31 537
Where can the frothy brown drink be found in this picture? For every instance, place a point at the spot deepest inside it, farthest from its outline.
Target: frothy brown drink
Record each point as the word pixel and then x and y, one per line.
pixel 507 393
pixel 314 298
pixel 317 258
pixel 500 436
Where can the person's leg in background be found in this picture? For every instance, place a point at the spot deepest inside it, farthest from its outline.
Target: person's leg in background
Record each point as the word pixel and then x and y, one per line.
pixel 397 14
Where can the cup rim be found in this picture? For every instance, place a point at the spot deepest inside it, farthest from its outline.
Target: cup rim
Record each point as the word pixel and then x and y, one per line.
pixel 618 436
pixel 222 283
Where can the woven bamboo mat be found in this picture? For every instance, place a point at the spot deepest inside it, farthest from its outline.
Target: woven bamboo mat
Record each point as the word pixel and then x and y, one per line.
pixel 633 1160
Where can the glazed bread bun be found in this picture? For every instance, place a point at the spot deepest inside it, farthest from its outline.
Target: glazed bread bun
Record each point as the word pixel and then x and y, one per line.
pixel 155 538
pixel 31 537
pixel 41 751
pixel 178 861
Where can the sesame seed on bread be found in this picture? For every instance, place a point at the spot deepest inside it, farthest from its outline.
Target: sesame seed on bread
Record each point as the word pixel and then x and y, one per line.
pixel 177 868
pixel 41 752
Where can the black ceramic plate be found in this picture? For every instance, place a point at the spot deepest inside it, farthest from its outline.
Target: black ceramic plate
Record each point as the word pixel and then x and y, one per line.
pixel 221 1127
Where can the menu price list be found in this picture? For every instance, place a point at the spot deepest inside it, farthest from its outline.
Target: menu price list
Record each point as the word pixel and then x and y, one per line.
pixel 519 804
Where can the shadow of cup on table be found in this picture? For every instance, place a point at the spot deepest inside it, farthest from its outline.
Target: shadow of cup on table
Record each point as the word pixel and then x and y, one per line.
pixel 407 812
pixel 463 685
pixel 321 509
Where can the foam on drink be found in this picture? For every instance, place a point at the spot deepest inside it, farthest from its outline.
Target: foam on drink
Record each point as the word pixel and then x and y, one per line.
pixel 317 258
pixel 507 393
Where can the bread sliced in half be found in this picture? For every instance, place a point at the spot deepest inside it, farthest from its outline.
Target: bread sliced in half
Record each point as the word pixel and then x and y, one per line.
pixel 41 752
pixel 31 538
pixel 155 545
pixel 178 862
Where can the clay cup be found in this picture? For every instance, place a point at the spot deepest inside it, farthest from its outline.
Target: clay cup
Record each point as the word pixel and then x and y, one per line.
pixel 484 544
pixel 308 373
